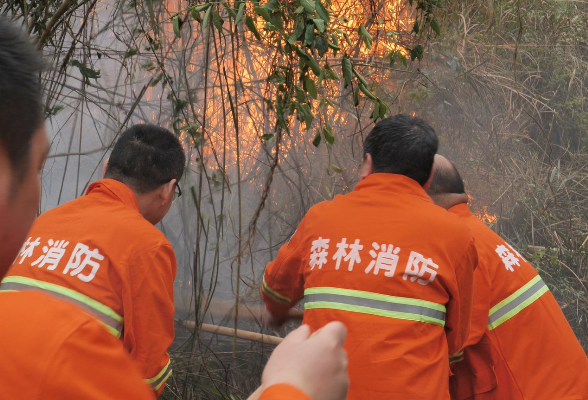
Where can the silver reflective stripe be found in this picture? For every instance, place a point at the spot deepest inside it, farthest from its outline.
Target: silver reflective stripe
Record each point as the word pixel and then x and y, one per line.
pixel 380 305
pixel 105 319
pixel 160 378
pixel 516 302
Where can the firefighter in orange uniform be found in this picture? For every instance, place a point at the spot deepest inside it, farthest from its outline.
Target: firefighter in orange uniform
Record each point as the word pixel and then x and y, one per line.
pixel 52 350
pixel 526 349
pixel 102 252
pixel 389 264
pixel 49 349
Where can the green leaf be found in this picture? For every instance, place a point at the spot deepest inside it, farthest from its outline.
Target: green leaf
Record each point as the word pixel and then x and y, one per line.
pixel 230 10
pixel 304 56
pixel 310 87
pixel 332 74
pixel 376 112
pixel 309 6
pixel 360 78
pixel 319 23
pixel 356 97
pixel 270 27
pixel 347 70
pixel 417 52
pixel 347 38
pixel 202 7
pixel 157 79
pixel 251 25
pixel 435 27
pixel 366 91
pixel 415 27
pixel 336 169
pixel 309 34
pixel 311 62
pixel 206 19
pixel 240 13
pixel 383 110
pixel 195 14
pixel 317 139
pixel 268 137
pixel 322 12
pixel 307 115
pixel 131 52
pixel 54 110
pixel 263 12
pixel 299 29
pixel 273 5
pixel 300 94
pixel 402 59
pixel 366 36
pixel 217 20
pixel 321 45
pixel 328 136
pixel 85 71
pixel 176 24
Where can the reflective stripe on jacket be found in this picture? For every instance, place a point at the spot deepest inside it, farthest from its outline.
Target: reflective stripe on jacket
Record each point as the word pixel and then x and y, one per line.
pixel 527 349
pixel 99 252
pixel 396 270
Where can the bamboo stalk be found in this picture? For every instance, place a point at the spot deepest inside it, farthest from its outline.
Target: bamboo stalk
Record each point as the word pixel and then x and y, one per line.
pixel 232 332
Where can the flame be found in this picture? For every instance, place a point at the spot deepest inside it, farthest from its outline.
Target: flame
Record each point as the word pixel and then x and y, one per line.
pixel 482 212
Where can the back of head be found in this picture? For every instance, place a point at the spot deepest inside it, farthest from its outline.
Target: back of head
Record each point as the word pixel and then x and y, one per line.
pixel 145 157
pixel 446 179
pixel 402 145
pixel 21 108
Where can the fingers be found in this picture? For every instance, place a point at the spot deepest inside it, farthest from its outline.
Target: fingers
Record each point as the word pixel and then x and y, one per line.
pixel 297 336
pixel 335 330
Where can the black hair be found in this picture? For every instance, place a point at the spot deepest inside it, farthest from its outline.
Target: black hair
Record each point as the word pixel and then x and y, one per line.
pixel 402 145
pixel 145 157
pixel 21 108
pixel 446 181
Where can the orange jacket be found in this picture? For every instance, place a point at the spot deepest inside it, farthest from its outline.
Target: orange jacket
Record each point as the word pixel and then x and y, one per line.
pixel 45 353
pixel 527 349
pixel 396 270
pixel 100 253
pixel 283 392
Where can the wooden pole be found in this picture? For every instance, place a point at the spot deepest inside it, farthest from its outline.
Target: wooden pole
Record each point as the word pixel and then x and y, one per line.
pixel 241 334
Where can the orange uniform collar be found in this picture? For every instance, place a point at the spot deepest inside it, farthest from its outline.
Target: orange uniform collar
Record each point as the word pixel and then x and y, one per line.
pixel 393 183
pixel 461 210
pixel 115 190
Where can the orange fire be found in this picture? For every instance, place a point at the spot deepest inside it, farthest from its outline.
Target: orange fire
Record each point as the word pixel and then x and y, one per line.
pixel 482 212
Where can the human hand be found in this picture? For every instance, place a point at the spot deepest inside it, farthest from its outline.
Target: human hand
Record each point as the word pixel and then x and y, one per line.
pixel 316 364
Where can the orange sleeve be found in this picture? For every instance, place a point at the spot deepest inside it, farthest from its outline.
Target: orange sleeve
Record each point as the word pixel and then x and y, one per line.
pixel 148 303
pixel 283 391
pixel 283 282
pixel 91 364
pixel 480 305
pixel 459 307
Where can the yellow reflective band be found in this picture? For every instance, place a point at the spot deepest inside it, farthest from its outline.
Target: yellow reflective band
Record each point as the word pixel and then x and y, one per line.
pixel 375 304
pixel 160 378
pixel 456 357
pixel 516 302
pixel 273 294
pixel 110 319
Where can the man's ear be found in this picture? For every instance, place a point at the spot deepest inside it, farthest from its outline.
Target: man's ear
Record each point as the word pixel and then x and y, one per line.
pixel 428 182
pixel 166 192
pixel 105 167
pixel 367 167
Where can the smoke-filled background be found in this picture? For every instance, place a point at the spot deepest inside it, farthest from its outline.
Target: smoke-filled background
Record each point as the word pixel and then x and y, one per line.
pixel 502 82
